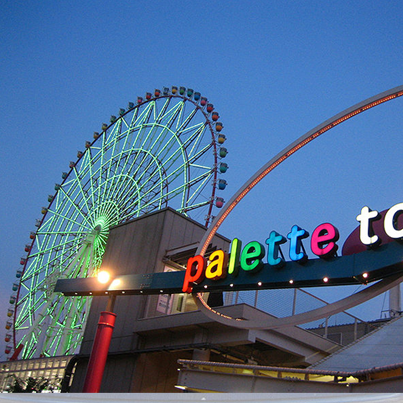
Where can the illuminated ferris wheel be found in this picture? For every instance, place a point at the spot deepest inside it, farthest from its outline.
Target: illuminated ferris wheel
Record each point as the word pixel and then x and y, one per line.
pixel 165 150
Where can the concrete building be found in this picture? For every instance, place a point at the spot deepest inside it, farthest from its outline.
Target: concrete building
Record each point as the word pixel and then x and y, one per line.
pixel 153 332
pixel 162 343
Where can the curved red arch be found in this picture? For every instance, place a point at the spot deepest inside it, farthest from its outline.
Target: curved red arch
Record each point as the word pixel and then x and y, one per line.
pixel 336 307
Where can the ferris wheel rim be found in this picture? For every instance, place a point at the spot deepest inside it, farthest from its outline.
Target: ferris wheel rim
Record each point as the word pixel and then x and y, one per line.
pixel 212 175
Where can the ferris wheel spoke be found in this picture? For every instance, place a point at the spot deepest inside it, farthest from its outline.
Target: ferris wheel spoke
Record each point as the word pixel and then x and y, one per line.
pixel 193 143
pixel 171 193
pixel 50 249
pixel 154 163
pixel 61 233
pixel 58 334
pixel 88 167
pixel 202 181
pixel 141 195
pixel 186 209
pixel 144 116
pixel 141 140
pixel 181 129
pixel 118 159
pixel 64 208
pixel 81 190
pixel 169 178
pixel 67 218
pixel 170 117
pixel 114 136
pixel 120 191
pixel 163 111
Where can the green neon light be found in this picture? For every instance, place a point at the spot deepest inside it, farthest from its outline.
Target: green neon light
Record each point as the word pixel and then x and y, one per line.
pixel 150 156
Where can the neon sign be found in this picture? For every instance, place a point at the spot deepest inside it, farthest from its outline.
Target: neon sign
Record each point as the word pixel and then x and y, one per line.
pixel 323 243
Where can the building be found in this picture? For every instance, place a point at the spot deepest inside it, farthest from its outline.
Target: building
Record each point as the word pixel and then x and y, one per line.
pixel 162 343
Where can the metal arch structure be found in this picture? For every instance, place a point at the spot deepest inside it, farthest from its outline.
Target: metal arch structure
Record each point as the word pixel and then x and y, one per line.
pixel 261 322
pixel 162 150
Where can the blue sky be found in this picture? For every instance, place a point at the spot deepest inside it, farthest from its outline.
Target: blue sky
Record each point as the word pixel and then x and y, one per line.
pixel 273 70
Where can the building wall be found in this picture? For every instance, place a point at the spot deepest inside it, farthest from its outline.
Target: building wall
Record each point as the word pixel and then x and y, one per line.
pixel 137 247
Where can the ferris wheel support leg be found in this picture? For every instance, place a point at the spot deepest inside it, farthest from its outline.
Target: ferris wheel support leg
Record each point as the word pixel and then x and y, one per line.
pixel 99 353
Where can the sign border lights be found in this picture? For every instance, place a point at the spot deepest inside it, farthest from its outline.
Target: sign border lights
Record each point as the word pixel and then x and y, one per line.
pixel 323 244
pixel 247 269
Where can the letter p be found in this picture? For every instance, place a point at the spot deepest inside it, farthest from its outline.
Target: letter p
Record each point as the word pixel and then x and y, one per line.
pixel 194 272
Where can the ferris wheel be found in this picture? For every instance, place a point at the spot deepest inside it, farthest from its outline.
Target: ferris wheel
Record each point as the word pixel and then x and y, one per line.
pixel 165 149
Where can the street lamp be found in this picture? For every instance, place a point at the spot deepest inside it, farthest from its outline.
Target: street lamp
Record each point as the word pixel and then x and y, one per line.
pixel 112 286
pixel 100 348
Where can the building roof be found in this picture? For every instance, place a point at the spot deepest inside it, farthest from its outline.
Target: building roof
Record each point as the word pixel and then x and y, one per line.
pixel 379 348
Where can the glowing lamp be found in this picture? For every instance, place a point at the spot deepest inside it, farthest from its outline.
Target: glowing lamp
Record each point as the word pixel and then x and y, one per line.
pixel 103 277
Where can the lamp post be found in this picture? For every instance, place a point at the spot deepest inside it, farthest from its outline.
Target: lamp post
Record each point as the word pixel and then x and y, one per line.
pixel 103 284
pixel 100 348
pixel 102 341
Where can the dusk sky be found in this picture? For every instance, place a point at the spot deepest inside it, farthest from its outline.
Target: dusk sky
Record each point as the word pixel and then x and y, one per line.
pixel 272 69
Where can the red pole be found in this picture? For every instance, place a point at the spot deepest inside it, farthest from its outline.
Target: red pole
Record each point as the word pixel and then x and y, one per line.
pixel 99 353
